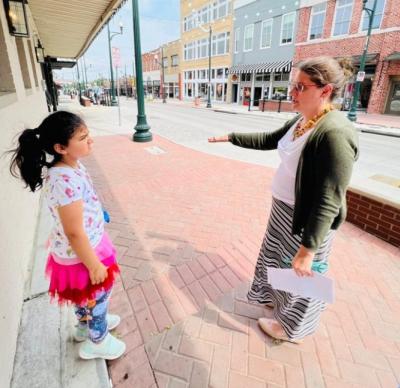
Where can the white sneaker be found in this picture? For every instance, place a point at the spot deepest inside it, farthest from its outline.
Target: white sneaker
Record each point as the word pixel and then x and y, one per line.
pixel 81 333
pixel 110 348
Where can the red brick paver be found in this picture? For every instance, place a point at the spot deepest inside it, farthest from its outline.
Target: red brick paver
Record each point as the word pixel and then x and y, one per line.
pixel 188 227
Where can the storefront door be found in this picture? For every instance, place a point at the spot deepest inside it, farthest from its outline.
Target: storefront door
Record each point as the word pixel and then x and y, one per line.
pixel 393 105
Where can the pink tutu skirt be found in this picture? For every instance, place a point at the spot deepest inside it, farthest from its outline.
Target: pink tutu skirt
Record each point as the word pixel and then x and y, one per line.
pixel 70 281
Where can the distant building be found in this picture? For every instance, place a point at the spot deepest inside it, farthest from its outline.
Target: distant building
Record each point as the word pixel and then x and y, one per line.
pixel 338 28
pixel 151 64
pixel 171 58
pixel 197 16
pixel 263 48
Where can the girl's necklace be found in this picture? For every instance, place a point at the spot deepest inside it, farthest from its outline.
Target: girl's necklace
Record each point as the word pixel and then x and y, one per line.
pixel 302 129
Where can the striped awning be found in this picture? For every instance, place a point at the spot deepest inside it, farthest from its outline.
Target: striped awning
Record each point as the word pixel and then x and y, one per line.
pixel 267 67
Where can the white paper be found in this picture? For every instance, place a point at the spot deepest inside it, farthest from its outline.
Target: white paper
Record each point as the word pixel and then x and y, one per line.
pixel 317 287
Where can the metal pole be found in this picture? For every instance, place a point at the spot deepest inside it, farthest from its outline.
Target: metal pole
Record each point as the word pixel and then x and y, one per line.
pixel 163 79
pixel 119 108
pixel 352 115
pixel 84 67
pixel 209 69
pixel 113 100
pixel 126 85
pixel 142 129
pixel 79 82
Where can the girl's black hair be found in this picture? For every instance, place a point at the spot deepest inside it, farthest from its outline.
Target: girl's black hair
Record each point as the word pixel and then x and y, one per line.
pixel 30 156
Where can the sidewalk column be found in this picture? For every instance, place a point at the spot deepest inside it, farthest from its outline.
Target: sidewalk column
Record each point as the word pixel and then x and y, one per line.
pixel 142 129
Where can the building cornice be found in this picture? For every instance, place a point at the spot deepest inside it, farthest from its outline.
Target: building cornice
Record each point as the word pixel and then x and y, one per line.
pixel 358 35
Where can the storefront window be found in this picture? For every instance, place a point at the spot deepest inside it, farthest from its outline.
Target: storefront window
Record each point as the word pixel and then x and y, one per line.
pixel 245 77
pixel 279 92
pixel 219 92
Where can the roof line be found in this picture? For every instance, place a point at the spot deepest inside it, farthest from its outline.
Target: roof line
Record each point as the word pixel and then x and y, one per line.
pixel 112 8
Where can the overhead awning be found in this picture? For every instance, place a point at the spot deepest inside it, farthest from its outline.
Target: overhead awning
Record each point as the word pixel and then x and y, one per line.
pixel 60 63
pixel 267 67
pixel 395 56
pixel 67 28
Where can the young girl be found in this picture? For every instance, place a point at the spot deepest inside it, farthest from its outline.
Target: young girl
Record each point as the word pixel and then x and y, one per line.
pixel 81 263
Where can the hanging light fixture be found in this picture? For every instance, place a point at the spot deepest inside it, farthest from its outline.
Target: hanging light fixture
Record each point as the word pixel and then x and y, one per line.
pixel 16 17
pixel 39 52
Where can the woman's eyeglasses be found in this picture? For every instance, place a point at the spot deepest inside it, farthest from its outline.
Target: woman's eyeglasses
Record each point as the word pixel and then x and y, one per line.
pixel 300 87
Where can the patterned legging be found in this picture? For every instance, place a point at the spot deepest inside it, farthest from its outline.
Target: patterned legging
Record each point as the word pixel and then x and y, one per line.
pixel 94 316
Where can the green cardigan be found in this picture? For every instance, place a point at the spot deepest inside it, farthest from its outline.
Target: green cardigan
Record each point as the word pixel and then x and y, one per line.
pixel 323 173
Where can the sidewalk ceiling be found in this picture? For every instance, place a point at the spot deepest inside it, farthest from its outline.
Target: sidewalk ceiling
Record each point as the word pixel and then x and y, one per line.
pixel 267 67
pixel 67 28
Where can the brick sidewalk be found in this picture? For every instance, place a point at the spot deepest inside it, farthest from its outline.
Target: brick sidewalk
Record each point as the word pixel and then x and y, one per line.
pixel 188 227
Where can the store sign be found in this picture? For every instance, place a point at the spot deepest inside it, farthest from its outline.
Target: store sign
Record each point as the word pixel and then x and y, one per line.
pixel 116 56
pixel 360 76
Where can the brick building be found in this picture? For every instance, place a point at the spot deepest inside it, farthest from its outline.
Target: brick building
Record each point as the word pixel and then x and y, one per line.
pixel 338 28
pixel 151 64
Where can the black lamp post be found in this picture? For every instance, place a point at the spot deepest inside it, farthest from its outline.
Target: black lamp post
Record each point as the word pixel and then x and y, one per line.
pixel 352 115
pixel 142 129
pixel 110 36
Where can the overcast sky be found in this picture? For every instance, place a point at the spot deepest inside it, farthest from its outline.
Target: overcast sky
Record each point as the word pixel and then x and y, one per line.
pixel 159 23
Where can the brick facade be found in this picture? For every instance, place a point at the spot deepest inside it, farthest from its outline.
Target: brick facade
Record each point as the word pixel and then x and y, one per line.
pixel 382 43
pixel 374 216
pixel 149 60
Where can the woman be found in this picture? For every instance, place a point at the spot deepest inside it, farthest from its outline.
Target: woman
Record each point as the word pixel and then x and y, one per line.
pixel 317 149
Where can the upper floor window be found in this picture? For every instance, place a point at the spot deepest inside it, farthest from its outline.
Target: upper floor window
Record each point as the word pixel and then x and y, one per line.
pixel 266 33
pixel 237 38
pixel 317 21
pixel 165 62
pixel 220 44
pixel 287 30
pixel 343 13
pixel 174 60
pixel 248 37
pixel 376 23
pixel 220 9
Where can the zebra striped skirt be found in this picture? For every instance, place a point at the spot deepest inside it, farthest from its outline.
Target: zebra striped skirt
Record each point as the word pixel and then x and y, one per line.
pixel 298 316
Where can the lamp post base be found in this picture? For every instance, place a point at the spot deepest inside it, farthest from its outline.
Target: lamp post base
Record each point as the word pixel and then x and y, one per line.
pixel 142 130
pixel 208 104
pixel 114 102
pixel 352 115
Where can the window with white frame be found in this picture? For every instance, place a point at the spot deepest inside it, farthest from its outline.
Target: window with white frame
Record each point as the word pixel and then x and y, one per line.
pixel 165 62
pixel 190 51
pixel 220 44
pixel 248 37
pixel 344 9
pixel 174 60
pixel 317 21
pixel 204 14
pixel 220 9
pixel 266 33
pixel 287 29
pixel 376 23
pixel 202 48
pixel 237 39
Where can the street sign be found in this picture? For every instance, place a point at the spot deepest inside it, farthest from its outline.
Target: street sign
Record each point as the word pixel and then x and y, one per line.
pixel 116 56
pixel 360 76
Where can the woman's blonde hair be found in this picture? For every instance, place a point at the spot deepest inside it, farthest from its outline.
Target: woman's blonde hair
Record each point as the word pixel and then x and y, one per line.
pixel 326 70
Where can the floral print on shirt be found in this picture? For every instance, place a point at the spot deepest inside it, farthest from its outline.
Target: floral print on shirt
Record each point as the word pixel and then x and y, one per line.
pixel 63 186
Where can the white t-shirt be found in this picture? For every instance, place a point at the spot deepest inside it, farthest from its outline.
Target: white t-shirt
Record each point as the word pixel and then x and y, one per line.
pixel 289 151
pixel 64 185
